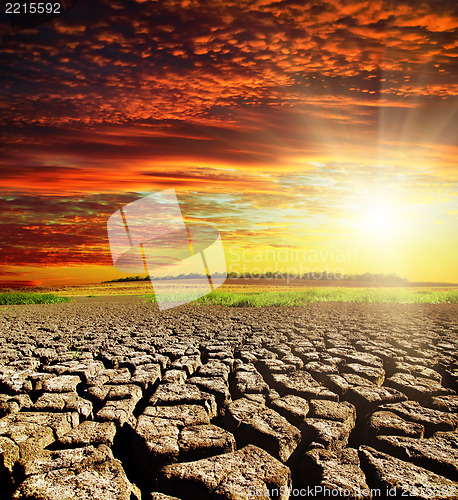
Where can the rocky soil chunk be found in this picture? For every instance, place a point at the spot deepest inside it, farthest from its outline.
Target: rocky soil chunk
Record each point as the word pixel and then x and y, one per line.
pixel 293 408
pixel 175 394
pixel 404 478
pixel 387 422
pixel 438 453
pixel 86 371
pixel 337 383
pixel 333 475
pixel 332 410
pixel 154 444
pixel 320 371
pixel 249 381
pixel 180 415
pixel 90 433
pixel 78 474
pixel 214 369
pixel 9 455
pixel 329 434
pixel 64 402
pixel 445 403
pixel 365 398
pixel 293 360
pixel 269 366
pixel 351 356
pixel 119 411
pixel 417 370
pixel 174 377
pixel 433 420
pixel 254 423
pixel 119 376
pixel 417 388
pixel 12 404
pixel 155 495
pixel 20 424
pixel 216 386
pixel 356 380
pixel 157 432
pixel 301 383
pixel 202 441
pixel 228 476
pixel 127 391
pixel 16 382
pixel 188 364
pixel 374 374
pixel 146 375
pixel 46 460
pixel 62 383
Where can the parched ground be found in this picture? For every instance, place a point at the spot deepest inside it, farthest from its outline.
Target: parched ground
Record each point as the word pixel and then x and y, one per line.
pixel 108 398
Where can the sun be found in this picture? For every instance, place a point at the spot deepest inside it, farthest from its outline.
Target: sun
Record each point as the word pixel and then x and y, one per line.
pixel 380 218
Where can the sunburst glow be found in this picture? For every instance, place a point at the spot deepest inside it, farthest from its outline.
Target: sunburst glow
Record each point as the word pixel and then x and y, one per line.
pixel 381 219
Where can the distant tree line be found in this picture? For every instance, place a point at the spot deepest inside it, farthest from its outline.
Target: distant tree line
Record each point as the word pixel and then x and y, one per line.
pixel 374 277
pixel 189 276
pixel 379 277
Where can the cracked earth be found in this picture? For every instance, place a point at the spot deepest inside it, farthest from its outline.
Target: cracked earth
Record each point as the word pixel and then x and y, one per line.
pixel 108 398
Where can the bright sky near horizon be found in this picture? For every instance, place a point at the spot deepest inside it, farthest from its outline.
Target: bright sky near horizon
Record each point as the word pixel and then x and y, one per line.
pixel 325 126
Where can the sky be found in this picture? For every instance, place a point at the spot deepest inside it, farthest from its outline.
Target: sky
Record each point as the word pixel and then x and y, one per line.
pixel 315 136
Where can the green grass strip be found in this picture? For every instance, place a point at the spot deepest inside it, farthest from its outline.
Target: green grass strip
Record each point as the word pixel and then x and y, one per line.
pixel 304 297
pixel 16 298
pixel 300 298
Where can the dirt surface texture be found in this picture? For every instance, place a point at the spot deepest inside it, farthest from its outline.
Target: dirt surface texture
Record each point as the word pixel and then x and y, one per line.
pixel 108 398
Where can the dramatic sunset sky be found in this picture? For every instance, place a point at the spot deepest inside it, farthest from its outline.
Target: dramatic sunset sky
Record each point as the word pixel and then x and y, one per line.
pixel 324 126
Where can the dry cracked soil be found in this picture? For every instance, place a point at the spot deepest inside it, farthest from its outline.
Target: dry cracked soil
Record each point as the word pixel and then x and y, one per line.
pixel 108 398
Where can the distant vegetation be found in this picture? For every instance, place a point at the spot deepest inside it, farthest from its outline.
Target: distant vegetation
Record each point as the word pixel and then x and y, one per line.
pixel 376 278
pixel 14 298
pixel 323 276
pixel 190 276
pixel 128 278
